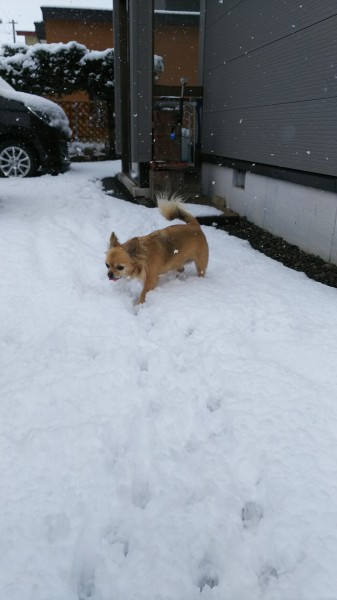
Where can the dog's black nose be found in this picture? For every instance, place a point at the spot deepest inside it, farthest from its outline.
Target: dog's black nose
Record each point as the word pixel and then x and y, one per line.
pixel 110 275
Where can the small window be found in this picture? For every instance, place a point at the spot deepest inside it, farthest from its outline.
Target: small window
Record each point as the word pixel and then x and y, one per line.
pixel 239 179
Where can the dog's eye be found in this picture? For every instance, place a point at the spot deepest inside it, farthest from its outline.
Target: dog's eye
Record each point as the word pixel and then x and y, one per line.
pixel 119 267
pixel 107 266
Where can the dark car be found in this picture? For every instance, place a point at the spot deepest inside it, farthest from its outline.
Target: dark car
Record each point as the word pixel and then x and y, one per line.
pixel 34 134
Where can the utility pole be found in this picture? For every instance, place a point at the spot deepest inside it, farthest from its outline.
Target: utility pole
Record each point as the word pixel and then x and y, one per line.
pixel 13 23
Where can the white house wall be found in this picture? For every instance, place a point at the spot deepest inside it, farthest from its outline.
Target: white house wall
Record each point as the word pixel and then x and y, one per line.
pixel 301 215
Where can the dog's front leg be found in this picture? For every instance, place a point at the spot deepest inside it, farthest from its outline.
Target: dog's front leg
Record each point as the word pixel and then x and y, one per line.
pixel 149 284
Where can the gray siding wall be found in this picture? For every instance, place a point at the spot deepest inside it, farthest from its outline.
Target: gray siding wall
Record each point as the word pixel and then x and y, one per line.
pixel 136 75
pixel 270 83
pixel 118 65
pixel 141 77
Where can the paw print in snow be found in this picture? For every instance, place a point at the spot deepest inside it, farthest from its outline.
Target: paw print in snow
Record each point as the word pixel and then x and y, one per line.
pixel 251 515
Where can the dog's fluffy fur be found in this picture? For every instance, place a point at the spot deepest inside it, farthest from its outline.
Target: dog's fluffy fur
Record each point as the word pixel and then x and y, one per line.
pixel 147 257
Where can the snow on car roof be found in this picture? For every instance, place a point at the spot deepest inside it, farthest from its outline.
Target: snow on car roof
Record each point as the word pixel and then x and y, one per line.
pixel 55 113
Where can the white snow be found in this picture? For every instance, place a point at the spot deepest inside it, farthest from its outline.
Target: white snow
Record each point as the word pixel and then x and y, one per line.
pixel 183 449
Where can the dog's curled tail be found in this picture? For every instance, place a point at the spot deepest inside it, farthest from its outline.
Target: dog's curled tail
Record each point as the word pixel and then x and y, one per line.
pixel 171 208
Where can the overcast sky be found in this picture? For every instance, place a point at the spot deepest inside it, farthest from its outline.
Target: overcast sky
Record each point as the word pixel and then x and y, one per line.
pixel 25 12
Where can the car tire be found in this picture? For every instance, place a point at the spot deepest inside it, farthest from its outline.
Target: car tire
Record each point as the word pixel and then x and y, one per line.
pixel 17 160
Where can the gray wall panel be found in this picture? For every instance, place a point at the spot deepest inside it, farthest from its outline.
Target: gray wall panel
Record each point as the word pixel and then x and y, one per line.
pixel 219 8
pixel 255 23
pixel 117 62
pixel 141 77
pixel 276 103
pixel 300 68
pixel 283 135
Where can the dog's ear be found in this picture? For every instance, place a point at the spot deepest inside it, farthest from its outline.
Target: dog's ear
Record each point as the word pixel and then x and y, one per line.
pixel 133 247
pixel 114 240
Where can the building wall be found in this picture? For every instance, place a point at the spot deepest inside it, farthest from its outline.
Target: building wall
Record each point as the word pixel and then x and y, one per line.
pixel 270 106
pixel 301 215
pixel 176 41
pixel 270 83
pixel 95 36
pixel 30 37
pixel 179 47
pixel 176 37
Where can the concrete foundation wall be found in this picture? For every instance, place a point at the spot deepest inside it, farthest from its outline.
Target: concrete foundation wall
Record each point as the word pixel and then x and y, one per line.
pixel 301 215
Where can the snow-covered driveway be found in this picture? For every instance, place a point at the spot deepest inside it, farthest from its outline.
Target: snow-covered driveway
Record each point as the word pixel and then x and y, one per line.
pixel 183 449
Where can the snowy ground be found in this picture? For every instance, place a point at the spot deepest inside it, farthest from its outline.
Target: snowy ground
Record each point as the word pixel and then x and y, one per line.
pixel 183 449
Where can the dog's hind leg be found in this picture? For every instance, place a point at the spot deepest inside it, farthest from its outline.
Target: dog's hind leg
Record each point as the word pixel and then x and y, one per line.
pixel 201 263
pixel 201 269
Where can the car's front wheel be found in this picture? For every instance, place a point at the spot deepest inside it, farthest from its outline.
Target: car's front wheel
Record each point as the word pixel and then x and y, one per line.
pixel 17 160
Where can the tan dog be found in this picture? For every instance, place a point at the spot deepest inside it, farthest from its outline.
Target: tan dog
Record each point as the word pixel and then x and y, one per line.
pixel 164 250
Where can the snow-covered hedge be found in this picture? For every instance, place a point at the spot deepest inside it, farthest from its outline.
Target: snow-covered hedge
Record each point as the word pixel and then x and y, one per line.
pixel 59 69
pixel 45 68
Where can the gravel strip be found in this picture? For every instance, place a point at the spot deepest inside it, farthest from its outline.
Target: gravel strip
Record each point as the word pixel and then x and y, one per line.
pixel 288 254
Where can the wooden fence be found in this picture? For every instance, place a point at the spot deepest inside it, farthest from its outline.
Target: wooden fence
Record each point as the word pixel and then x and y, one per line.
pixel 92 126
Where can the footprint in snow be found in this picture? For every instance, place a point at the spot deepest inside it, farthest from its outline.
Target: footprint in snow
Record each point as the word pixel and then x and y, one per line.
pixel 208 575
pixel 112 536
pixel 214 404
pixel 267 575
pixel 84 562
pixel 143 364
pixel 57 527
pixel 251 515
pixel 140 494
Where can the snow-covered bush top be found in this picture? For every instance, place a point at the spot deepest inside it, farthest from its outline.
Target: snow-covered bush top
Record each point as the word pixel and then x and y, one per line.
pixel 58 69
